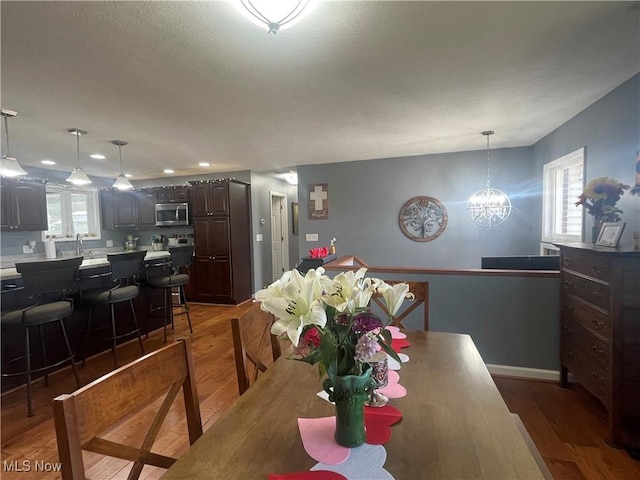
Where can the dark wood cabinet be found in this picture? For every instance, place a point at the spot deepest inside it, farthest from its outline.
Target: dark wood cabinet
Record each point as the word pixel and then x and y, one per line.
pixel 172 195
pixel 146 208
pixel 221 271
pixel 24 206
pixel 119 210
pixel 600 332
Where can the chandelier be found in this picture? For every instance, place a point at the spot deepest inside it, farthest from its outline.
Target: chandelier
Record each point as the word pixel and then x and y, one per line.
pixel 275 15
pixel 488 207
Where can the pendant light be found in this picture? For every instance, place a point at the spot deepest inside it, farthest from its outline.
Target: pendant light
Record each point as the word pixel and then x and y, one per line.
pixel 78 177
pixel 275 15
pixel 9 166
pixel 488 207
pixel 122 182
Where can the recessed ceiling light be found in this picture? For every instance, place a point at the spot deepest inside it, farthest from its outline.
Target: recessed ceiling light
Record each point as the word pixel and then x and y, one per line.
pixel 204 164
pixel 47 162
pixel 128 175
pixel 97 156
pixel 168 170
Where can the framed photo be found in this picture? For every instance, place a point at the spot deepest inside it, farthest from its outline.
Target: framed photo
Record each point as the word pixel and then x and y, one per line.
pixel 294 216
pixel 610 234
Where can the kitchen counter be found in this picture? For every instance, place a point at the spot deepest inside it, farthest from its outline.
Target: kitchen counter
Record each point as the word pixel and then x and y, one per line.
pixel 12 273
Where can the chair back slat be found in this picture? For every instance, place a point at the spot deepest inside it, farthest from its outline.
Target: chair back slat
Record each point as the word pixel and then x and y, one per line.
pixel 181 256
pixel 255 348
pixel 52 276
pixel 81 416
pixel 126 265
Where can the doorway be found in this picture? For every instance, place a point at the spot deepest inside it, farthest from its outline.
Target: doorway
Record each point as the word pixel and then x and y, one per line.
pixel 279 235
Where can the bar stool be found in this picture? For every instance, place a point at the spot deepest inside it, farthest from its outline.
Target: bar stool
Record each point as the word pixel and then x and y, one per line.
pixel 47 284
pixel 125 270
pixel 180 257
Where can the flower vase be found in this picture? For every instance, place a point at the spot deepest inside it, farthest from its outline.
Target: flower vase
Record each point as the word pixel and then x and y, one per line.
pixel 595 230
pixel 349 393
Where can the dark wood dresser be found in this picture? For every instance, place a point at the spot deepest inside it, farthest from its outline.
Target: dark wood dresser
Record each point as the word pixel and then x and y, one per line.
pixel 600 337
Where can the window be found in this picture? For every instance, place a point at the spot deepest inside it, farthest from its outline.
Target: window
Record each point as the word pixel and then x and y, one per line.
pixel 71 212
pixel 562 184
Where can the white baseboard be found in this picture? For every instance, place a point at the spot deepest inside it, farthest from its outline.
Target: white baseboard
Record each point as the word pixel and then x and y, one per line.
pixel 524 372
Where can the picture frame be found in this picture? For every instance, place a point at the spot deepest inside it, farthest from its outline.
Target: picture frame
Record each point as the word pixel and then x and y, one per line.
pixel 294 217
pixel 610 234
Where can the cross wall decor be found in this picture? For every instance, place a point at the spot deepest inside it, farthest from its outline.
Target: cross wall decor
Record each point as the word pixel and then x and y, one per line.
pixel 319 201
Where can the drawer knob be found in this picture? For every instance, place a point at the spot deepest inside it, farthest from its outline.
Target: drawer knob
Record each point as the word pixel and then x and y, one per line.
pixel 596 269
pixel 567 328
pixel 568 285
pixel 567 261
pixel 596 350
pixel 597 324
pixel 568 307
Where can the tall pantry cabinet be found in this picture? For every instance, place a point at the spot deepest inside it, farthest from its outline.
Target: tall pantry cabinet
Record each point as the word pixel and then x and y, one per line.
pixel 221 269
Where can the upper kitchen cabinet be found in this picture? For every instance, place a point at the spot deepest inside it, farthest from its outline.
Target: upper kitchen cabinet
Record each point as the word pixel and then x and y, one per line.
pixel 210 199
pixel 146 208
pixel 119 210
pixel 24 206
pixel 172 195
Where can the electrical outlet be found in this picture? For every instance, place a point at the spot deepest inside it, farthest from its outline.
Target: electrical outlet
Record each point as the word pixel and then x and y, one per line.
pixel 311 237
pixel 109 243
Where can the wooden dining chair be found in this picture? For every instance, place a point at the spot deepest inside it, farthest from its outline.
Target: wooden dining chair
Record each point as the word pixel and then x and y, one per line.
pixel 254 347
pixel 84 414
pixel 421 292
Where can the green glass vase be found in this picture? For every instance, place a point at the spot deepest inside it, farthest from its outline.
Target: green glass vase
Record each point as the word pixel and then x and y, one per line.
pixel 349 392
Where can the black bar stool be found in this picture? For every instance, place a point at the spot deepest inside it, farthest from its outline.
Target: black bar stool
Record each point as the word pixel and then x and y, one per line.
pixel 47 284
pixel 180 257
pixel 125 270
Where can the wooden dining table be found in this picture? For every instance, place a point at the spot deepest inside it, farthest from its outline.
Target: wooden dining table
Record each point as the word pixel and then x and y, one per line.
pixel 455 423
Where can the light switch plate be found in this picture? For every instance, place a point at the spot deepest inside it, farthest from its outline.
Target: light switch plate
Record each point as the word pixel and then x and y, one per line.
pixel 109 243
pixel 311 237
pixel 259 237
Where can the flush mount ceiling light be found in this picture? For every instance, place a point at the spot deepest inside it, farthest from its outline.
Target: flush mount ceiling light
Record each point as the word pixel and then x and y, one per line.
pixel 121 183
pixel 78 177
pixel 275 15
pixel 97 156
pixel 9 166
pixel 488 207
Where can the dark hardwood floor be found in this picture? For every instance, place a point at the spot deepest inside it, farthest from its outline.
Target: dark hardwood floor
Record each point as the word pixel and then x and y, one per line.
pixel 567 426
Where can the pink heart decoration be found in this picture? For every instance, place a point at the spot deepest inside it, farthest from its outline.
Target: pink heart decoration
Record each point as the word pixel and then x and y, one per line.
pixel 316 474
pixel 395 332
pixel 393 389
pixel 378 421
pixel 399 343
pixel 319 442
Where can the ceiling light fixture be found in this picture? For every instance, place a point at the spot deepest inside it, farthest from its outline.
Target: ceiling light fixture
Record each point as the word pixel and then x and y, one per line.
pixel 9 166
pixel 78 177
pixel 204 164
pixel 488 207
pixel 168 170
pixel 275 15
pixel 47 162
pixel 97 156
pixel 121 183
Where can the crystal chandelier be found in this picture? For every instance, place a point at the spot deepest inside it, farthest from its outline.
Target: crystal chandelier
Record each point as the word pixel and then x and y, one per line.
pixel 78 177
pixel 275 15
pixel 488 207
pixel 122 182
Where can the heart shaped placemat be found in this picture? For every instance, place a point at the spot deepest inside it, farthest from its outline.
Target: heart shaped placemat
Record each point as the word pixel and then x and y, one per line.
pixel 395 332
pixel 378 421
pixel 318 439
pixel 393 388
pixel 312 475
pixel 365 463
pixel 399 343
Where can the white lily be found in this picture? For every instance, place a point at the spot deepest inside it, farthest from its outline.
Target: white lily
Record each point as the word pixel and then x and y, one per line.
pixel 348 291
pixel 394 295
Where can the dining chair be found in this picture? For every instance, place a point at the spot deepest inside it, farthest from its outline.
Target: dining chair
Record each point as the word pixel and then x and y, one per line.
pixel 421 292
pixel 47 285
pixel 254 347
pixel 125 270
pixel 81 416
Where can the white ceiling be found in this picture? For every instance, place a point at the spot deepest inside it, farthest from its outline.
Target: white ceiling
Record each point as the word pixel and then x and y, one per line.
pixel 185 82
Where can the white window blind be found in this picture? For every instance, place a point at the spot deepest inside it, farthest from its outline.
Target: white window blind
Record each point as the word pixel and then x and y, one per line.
pixel 563 181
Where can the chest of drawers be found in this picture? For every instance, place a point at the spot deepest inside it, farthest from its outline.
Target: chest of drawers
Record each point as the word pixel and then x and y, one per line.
pixel 600 331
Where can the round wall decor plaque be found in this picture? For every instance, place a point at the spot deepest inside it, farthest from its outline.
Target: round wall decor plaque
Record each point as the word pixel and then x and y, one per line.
pixel 423 219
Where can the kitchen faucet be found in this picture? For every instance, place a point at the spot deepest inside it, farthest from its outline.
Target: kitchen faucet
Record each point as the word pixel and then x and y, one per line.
pixel 79 248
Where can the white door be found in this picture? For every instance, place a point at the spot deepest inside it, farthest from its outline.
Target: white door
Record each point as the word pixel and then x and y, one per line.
pixel 279 235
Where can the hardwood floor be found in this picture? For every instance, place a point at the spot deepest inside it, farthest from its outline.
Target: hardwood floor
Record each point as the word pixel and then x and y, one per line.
pixel 566 426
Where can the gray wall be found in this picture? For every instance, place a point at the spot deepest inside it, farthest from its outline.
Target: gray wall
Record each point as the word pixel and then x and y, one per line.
pixel 610 131
pixel 365 198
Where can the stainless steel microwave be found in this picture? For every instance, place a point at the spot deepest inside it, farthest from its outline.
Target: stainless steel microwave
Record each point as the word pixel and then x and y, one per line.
pixel 172 214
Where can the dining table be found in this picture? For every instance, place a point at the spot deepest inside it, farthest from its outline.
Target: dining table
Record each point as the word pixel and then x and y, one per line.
pixel 455 423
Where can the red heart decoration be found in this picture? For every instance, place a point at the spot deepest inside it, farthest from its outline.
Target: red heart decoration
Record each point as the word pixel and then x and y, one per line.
pixel 316 474
pixel 399 343
pixel 377 422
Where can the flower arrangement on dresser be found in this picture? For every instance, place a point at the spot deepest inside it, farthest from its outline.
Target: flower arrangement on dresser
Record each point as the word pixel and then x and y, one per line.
pixel 599 198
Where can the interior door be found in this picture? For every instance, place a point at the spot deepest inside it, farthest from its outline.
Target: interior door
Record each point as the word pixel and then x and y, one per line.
pixel 279 235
